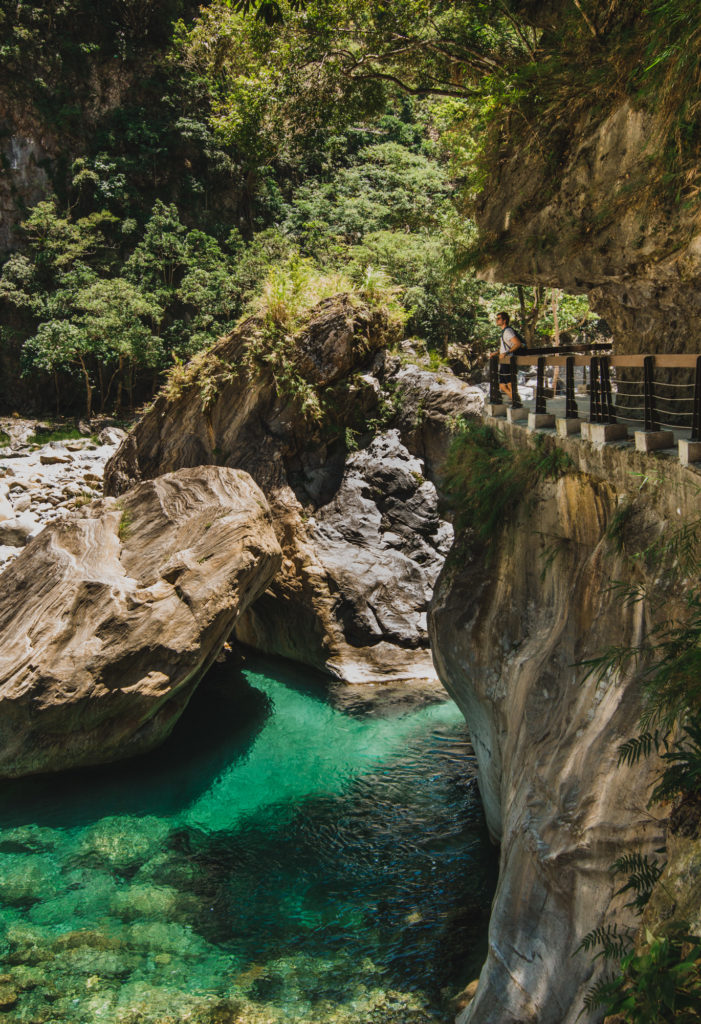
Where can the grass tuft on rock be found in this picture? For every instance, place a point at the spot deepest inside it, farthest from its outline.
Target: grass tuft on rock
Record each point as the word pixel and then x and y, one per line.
pixel 273 324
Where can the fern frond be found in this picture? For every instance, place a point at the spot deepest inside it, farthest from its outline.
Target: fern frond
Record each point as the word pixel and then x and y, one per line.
pixel 600 993
pixel 642 873
pixel 614 944
pixel 637 747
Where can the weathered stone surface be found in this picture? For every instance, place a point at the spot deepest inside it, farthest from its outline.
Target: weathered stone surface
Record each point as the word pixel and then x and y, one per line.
pixel 360 532
pixel 16 532
pixel 55 457
pixel 6 509
pixel 36 488
pixel 112 435
pixel 368 562
pixel 590 231
pixel 429 403
pixel 109 619
pixel 510 632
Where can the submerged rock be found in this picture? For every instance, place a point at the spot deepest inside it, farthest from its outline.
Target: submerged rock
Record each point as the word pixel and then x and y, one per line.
pixel 109 619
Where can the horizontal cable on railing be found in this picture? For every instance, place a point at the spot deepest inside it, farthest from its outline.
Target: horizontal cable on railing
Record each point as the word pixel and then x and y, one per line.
pixel 674 401
pixel 631 408
pixel 666 384
pixel 622 391
pixel 627 419
pixel 675 426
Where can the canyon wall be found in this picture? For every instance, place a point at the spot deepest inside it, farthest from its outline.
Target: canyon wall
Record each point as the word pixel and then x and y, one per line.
pixel 511 625
pixel 597 218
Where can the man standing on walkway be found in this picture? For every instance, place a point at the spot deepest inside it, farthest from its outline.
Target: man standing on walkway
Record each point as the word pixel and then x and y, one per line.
pixel 508 345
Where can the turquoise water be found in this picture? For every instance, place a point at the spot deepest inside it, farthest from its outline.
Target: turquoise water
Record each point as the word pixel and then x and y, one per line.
pixel 277 860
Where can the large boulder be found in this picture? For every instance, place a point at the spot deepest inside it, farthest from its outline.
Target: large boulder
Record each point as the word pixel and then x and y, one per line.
pixel 109 619
pixel 360 530
pixel 353 600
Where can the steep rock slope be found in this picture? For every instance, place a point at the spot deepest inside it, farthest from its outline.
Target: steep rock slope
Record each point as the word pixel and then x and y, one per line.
pixel 109 619
pixel 510 627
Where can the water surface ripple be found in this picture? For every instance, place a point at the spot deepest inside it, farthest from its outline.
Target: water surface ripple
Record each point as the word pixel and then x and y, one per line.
pixel 277 860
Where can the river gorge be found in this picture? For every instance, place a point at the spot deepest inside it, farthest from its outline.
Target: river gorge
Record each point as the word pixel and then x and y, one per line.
pixel 278 859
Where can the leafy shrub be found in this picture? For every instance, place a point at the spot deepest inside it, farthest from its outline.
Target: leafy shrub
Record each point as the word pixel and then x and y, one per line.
pixel 485 480
pixel 661 984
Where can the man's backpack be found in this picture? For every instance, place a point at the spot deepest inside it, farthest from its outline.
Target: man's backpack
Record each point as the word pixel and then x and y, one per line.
pixel 523 346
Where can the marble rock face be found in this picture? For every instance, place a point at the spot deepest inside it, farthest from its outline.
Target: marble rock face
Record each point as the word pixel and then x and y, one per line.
pixel 513 627
pixel 109 618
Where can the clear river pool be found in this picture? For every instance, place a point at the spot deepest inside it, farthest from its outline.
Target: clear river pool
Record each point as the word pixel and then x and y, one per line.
pixel 279 859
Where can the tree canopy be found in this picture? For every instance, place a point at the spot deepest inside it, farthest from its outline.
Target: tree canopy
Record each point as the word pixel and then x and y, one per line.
pixel 200 147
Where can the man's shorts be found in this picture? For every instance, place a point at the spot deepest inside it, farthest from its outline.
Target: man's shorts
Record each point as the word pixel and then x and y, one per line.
pixel 504 373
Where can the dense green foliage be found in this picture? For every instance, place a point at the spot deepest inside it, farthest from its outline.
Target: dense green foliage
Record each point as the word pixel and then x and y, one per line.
pixel 486 480
pixel 661 984
pixel 199 150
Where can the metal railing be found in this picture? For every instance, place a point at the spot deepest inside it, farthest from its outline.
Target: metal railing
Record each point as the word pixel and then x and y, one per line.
pixel 616 391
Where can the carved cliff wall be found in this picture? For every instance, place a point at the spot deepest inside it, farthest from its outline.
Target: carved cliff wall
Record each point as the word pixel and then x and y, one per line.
pixel 511 626
pixel 596 229
pixel 593 163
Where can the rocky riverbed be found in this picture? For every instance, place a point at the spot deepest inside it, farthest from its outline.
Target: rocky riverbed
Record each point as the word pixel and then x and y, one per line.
pixel 41 481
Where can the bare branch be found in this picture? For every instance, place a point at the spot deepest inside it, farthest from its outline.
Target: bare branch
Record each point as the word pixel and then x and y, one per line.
pixel 517 29
pixel 590 24
pixel 418 90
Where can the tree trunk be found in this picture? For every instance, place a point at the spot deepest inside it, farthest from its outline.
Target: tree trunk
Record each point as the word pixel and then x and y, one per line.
pixel 130 385
pixel 522 303
pixel 88 389
pixel 554 299
pixel 120 383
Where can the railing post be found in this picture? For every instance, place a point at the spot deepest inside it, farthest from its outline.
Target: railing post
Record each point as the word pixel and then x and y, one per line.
pixel 516 402
pixel 696 413
pixel 540 386
pixel 594 396
pixel 494 393
pixel 570 403
pixel 651 421
pixel 606 403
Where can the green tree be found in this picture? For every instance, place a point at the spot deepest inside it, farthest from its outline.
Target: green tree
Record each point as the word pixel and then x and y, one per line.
pixel 111 331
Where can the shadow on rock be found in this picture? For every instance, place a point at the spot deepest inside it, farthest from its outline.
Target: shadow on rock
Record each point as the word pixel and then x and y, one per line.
pixel 224 718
